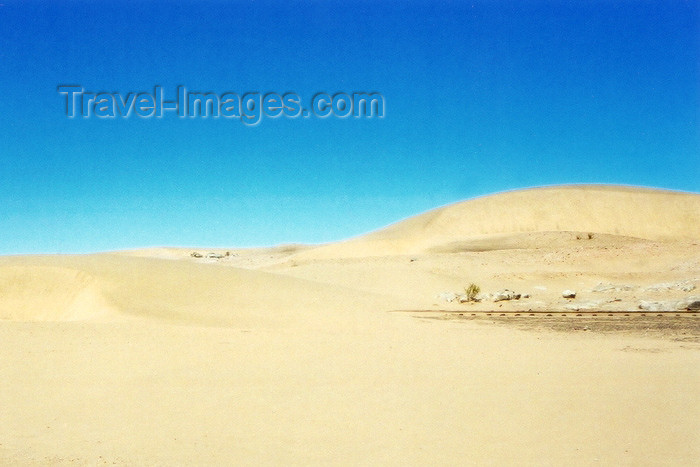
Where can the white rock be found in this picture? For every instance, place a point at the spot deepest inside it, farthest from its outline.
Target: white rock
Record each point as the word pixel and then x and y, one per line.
pixel 506 294
pixel 447 296
pixel 612 287
pixel 568 294
pixel 690 303
pixel 685 286
pixel 584 306
pixel 656 306
pixel 463 298
pixel 483 297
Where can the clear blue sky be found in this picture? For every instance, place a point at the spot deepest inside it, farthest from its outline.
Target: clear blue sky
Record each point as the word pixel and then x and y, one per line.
pixel 480 97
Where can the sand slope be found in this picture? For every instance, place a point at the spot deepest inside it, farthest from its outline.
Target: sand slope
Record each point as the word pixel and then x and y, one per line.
pixel 615 210
pixel 521 239
pixel 114 287
pixel 290 356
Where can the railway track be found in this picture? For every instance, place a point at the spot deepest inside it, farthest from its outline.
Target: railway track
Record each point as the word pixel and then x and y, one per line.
pixel 541 314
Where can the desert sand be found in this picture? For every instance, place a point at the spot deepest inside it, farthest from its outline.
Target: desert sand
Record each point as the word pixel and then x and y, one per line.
pixel 352 354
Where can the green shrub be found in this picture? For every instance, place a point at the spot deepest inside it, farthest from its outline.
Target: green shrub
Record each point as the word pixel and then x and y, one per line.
pixel 472 291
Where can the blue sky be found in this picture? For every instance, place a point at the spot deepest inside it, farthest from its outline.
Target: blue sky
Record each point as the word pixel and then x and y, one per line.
pixel 480 97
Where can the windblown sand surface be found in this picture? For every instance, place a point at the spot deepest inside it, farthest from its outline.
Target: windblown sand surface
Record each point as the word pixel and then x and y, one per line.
pixel 299 354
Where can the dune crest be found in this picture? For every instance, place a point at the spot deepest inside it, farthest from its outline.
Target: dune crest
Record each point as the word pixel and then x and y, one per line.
pixel 362 354
pixel 643 213
pixel 289 286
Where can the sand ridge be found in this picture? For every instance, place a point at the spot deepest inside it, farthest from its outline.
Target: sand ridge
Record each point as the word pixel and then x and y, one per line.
pixel 615 210
pixel 292 355
pixel 552 238
pixel 54 288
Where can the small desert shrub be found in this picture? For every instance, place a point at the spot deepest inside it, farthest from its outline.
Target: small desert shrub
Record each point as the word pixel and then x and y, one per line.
pixel 472 291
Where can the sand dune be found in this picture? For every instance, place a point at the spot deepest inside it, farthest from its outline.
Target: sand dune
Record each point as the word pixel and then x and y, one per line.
pixel 48 292
pixel 296 355
pixel 602 231
pixel 613 210
pixel 115 287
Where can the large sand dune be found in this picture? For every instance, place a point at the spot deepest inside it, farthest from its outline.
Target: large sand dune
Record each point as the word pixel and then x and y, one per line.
pixel 280 286
pixel 615 210
pixel 295 355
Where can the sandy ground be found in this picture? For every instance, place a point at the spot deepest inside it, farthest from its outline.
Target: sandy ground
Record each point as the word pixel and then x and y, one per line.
pixel 299 355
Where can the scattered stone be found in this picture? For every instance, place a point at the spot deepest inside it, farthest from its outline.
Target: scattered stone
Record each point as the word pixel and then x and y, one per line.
pixel 584 306
pixel 484 297
pixel 463 298
pixel 655 306
pixel 214 256
pixel 613 287
pixel 568 294
pixel 194 254
pixel 688 304
pixel 685 286
pixel 447 297
pixel 527 295
pixel 540 287
pixel 506 294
